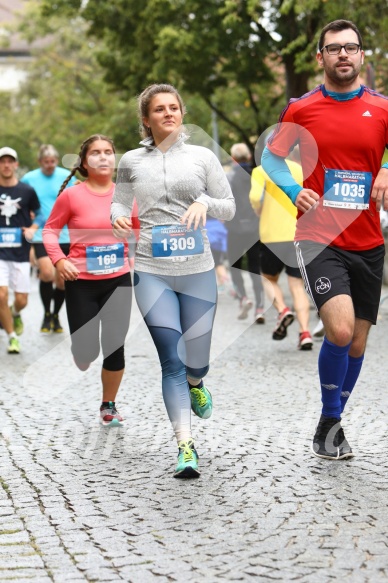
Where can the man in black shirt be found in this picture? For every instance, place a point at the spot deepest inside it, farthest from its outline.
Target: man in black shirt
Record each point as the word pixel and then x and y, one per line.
pixel 18 203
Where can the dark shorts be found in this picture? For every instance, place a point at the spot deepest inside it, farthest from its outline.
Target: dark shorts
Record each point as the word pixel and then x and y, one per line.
pixel 40 250
pixel 330 271
pixel 219 257
pixel 274 257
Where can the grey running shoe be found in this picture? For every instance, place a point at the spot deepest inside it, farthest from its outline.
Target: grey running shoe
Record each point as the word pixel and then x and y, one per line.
pixel 345 451
pixel 245 306
pixel 259 316
pixel 329 441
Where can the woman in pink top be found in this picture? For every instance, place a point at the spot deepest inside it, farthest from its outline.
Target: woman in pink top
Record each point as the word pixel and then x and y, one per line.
pixel 96 271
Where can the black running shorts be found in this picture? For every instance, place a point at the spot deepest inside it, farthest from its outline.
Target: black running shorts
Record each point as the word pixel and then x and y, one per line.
pixel 40 250
pixel 274 257
pixel 330 271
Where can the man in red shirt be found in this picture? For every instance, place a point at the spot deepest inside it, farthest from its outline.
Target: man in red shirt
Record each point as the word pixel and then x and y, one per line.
pixel 342 130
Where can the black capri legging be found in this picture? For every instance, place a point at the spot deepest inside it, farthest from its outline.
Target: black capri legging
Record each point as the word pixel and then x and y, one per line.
pixel 105 302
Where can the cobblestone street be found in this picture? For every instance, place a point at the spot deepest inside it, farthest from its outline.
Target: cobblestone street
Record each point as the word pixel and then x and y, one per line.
pixel 79 502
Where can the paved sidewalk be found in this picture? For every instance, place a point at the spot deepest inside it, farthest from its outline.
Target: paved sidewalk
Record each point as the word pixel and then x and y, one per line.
pixel 83 503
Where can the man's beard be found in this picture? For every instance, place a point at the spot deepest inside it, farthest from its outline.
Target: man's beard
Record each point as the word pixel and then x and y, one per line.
pixel 343 78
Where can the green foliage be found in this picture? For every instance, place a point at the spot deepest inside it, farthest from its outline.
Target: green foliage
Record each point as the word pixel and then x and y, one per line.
pixel 371 19
pixel 65 98
pixel 209 49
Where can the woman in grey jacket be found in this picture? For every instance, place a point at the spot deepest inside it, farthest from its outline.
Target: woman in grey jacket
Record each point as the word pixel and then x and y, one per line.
pixel 175 185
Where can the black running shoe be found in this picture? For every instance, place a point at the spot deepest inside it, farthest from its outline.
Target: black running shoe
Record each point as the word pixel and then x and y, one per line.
pixel 285 319
pixel 46 324
pixel 345 451
pixel 55 324
pixel 329 441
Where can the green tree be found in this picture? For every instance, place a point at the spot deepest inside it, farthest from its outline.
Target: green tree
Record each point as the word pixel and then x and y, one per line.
pixel 296 24
pixel 240 56
pixel 201 47
pixel 372 20
pixel 65 97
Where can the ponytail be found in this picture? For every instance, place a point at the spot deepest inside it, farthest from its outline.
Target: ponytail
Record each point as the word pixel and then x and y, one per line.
pixel 66 182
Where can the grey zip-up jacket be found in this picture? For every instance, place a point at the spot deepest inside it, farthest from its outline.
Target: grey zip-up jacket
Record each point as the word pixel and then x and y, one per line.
pixel 165 184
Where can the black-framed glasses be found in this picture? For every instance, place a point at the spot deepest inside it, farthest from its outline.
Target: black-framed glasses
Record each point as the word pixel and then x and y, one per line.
pixel 335 49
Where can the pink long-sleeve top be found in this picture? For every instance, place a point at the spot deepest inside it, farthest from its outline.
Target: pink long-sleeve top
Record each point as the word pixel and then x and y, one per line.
pixel 94 250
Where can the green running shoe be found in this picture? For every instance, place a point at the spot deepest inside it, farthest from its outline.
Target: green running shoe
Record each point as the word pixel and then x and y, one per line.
pixel 201 402
pixel 13 346
pixel 187 466
pixel 18 325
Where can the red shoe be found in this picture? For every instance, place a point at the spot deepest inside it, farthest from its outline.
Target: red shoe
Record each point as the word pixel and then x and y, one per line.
pixel 285 318
pixel 305 341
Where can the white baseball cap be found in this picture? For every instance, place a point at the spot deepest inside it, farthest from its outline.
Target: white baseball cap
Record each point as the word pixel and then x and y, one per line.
pixel 8 152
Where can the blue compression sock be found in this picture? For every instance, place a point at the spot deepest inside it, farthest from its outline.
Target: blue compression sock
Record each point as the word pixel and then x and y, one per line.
pixel 332 367
pixel 354 368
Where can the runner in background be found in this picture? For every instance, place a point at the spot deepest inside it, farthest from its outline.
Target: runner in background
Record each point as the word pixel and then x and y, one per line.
pixel 218 239
pixel 243 244
pixel 277 230
pixel 96 271
pixel 18 202
pixel 46 181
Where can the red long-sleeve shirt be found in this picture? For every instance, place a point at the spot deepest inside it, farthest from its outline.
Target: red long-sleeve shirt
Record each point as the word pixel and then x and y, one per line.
pixel 87 215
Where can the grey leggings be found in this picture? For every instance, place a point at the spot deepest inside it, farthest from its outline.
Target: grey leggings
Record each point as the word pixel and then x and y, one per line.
pixel 179 313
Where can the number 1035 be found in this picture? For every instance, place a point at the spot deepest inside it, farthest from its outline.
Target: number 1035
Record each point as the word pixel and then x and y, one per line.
pixel 346 189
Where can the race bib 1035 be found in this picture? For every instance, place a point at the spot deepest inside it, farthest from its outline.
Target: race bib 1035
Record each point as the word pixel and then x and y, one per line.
pixel 347 189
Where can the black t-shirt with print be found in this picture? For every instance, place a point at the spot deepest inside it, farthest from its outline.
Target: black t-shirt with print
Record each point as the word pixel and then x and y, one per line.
pixel 16 204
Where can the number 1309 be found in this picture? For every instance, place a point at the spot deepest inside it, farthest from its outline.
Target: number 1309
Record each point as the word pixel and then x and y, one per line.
pixel 180 243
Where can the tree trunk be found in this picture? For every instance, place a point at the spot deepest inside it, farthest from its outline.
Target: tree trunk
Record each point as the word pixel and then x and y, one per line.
pixel 296 83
